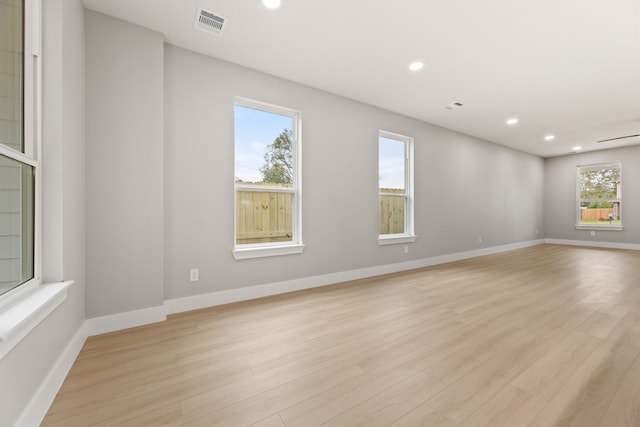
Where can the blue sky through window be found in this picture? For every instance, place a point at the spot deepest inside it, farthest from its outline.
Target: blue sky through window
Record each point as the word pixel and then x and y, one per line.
pixel 255 130
pixel 391 163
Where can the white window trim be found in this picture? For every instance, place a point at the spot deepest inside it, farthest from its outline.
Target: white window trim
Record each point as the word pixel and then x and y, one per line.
pixel 409 236
pixel 596 227
pixel 25 311
pixel 600 227
pixel 295 246
pixel 25 306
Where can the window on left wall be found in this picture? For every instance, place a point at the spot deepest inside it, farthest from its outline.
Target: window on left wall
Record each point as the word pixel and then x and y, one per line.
pixel 19 163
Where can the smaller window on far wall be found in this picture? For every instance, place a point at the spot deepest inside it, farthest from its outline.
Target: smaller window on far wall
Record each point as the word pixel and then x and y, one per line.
pixel 395 188
pixel 267 180
pixel 599 191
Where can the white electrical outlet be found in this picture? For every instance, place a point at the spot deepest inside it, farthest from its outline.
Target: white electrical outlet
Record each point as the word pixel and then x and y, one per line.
pixel 536 231
pixel 406 249
pixel 479 239
pixel 194 275
pixel 593 233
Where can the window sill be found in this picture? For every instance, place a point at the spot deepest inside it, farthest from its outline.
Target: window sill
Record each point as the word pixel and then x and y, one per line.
pixel 395 239
pixel 266 251
pixel 599 227
pixel 20 317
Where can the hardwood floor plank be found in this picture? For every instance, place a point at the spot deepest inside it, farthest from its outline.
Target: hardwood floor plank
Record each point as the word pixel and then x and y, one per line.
pixel 267 403
pixel 422 416
pixel 466 395
pixel 389 405
pixel 624 410
pixel 584 399
pixel 546 335
pixel 545 376
pixel 602 322
pixel 272 421
pixel 511 407
pixel 324 406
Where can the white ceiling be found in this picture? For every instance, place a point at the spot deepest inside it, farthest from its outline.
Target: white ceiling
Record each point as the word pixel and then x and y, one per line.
pixel 565 67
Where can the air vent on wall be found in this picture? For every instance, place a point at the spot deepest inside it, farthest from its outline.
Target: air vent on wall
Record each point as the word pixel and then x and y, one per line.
pixel 210 22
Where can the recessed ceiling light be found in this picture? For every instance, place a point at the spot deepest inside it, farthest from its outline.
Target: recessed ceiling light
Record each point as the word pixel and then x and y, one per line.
pixel 415 66
pixel 512 121
pixel 271 4
pixel 549 137
pixel 577 148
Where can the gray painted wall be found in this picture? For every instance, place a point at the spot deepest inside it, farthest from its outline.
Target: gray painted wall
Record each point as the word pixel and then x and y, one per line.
pixel 151 218
pixel 124 166
pixel 465 188
pixel 560 196
pixel 25 367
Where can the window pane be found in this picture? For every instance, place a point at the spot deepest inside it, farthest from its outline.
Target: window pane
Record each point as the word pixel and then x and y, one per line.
pixel 11 72
pixel 600 198
pixel 263 216
pixel 265 156
pixel 16 223
pixel 391 163
pixel 263 148
pixel 391 214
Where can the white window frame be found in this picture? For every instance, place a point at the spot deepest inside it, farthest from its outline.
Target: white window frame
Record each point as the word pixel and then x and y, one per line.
pixel 596 166
pixel 24 307
pixel 295 246
pixel 31 136
pixel 409 235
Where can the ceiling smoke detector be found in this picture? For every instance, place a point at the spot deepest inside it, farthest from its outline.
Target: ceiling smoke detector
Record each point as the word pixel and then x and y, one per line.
pixel 210 22
pixel 453 106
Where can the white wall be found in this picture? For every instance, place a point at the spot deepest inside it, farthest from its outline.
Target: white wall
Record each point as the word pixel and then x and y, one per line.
pixel 24 369
pixel 124 166
pixel 560 196
pixel 465 187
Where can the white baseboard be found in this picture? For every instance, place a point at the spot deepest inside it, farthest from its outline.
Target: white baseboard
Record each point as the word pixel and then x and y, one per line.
pixel 591 244
pixel 195 302
pixel 115 322
pixel 129 319
pixel 39 404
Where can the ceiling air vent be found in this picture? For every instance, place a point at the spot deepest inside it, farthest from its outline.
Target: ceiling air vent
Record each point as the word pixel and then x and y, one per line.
pixel 618 138
pixel 210 22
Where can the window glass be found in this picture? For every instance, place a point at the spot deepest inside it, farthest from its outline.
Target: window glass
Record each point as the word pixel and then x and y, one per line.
pixel 600 194
pixel 265 168
pixel 394 183
pixel 11 74
pixel 17 178
pixel 263 148
pixel 16 223
pixel 392 165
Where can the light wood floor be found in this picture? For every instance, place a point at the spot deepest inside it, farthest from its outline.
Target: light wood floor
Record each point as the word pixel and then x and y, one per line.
pixel 542 336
